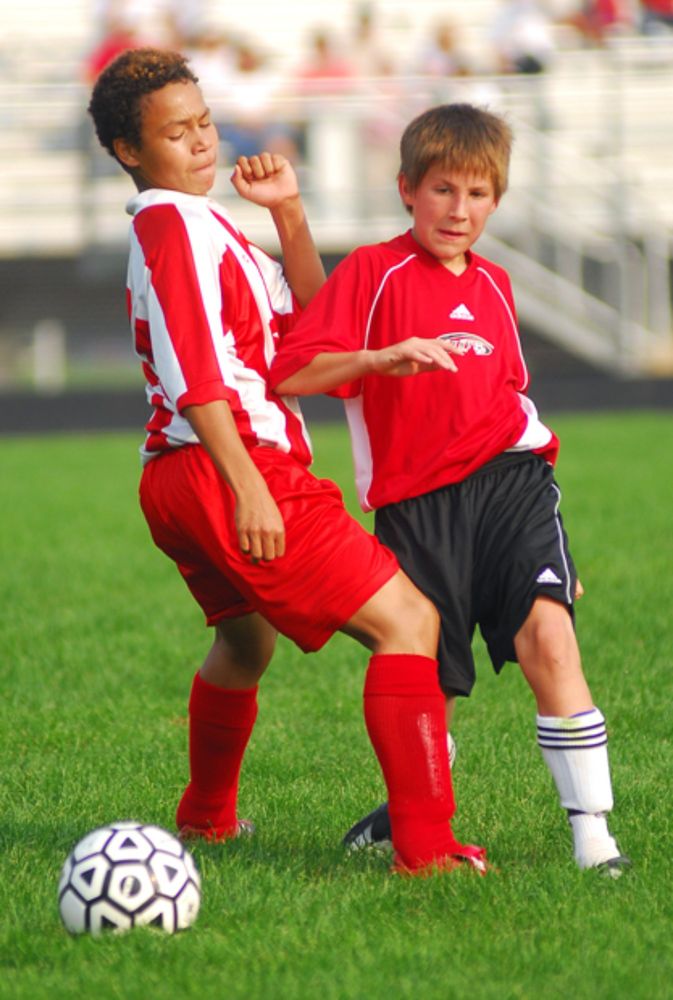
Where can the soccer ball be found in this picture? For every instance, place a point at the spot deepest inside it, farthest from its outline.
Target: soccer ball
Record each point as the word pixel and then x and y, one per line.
pixel 128 875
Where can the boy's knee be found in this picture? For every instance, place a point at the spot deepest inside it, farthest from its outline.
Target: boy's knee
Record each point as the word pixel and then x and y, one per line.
pixel 397 619
pixel 243 644
pixel 414 619
pixel 425 615
pixel 548 631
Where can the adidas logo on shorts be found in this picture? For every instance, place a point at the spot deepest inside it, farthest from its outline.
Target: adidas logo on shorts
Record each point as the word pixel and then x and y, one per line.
pixel 548 576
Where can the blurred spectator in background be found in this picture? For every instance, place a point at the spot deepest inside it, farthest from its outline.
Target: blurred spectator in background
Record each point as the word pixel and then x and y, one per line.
pixel 248 119
pixel 441 54
pixel 375 68
pixel 118 35
pixel 325 70
pixel 521 35
pixel 212 56
pixel 130 24
pixel 366 52
pixel 597 20
pixel 442 58
pixel 656 16
pixel 162 20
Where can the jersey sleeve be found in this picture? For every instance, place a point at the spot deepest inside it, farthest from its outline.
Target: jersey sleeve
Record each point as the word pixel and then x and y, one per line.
pixel 335 321
pixel 516 347
pixel 506 286
pixel 285 307
pixel 175 282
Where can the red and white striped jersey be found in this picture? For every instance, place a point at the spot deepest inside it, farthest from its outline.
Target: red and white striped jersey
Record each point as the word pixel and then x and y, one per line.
pixel 416 434
pixel 207 310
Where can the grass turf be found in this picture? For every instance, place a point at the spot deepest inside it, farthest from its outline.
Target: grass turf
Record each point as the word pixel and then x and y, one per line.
pixel 99 643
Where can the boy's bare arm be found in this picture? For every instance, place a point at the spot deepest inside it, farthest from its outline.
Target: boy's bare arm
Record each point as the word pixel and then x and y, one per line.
pixel 327 371
pixel 259 523
pixel 270 181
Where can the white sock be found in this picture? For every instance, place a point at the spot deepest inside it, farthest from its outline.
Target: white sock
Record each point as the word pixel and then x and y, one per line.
pixel 575 750
pixel 593 843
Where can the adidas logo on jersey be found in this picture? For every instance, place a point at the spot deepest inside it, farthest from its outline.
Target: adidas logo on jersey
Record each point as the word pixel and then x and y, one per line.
pixel 461 312
pixel 548 576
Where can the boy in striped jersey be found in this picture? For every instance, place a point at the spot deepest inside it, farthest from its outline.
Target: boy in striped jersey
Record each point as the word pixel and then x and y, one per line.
pixel 262 544
pixel 456 463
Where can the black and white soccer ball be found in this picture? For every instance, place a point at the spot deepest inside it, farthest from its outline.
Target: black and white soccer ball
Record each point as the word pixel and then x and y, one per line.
pixel 128 875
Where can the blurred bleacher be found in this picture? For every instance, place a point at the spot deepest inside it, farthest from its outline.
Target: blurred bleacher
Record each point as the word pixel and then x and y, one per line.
pixel 586 229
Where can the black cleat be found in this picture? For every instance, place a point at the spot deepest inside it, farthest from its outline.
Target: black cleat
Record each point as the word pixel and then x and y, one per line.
pixel 372 831
pixel 615 867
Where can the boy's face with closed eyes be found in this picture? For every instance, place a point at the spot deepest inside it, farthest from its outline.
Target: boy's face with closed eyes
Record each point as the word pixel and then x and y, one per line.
pixel 178 148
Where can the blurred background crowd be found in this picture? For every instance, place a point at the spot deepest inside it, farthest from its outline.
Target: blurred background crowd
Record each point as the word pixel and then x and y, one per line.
pixel 586 229
pixel 246 73
pixel 518 36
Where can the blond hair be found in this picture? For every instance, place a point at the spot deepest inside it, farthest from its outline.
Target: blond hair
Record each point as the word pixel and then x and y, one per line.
pixel 463 139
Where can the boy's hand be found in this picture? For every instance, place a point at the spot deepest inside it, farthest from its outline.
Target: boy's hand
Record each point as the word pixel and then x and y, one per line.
pixel 259 525
pixel 413 356
pixel 267 180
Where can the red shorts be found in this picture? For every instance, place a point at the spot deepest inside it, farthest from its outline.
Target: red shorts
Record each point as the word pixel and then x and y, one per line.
pixel 331 566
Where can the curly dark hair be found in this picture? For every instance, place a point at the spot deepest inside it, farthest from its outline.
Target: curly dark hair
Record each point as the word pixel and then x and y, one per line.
pixel 115 104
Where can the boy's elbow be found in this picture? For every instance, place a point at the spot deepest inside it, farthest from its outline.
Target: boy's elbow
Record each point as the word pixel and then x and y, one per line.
pixel 290 386
pixel 303 381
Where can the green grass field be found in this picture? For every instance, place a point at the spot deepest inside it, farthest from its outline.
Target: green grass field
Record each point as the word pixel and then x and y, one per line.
pixel 99 641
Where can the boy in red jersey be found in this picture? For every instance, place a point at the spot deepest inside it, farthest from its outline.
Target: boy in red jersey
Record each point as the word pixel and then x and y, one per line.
pixel 456 464
pixel 261 543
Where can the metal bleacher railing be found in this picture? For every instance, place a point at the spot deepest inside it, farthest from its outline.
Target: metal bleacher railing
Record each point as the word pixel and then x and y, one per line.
pixel 586 229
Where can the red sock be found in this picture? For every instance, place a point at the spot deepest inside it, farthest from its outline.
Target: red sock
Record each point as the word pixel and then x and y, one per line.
pixel 220 724
pixel 405 717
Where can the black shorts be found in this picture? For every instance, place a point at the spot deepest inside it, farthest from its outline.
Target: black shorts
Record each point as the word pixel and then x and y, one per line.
pixel 482 550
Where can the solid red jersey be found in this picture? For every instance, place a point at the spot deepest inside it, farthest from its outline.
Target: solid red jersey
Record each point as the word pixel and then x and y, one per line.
pixel 207 310
pixel 419 433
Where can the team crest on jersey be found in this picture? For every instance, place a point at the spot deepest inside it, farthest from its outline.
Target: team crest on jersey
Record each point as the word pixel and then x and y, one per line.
pixel 465 342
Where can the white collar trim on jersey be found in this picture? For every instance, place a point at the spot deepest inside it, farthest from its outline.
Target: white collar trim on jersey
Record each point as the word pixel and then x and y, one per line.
pixel 164 196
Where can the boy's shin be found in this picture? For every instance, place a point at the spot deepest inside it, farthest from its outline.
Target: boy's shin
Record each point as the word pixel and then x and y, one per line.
pixel 220 723
pixel 575 751
pixel 405 718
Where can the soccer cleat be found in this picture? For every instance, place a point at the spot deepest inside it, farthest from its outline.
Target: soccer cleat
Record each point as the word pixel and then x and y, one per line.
pixel 244 828
pixel 615 867
pixel 374 830
pixel 466 854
